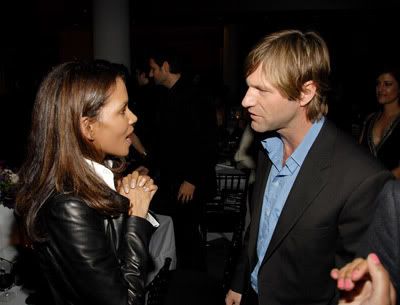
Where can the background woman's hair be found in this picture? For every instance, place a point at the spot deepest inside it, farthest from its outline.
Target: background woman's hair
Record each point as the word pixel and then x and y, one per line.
pixel 391 68
pixel 56 147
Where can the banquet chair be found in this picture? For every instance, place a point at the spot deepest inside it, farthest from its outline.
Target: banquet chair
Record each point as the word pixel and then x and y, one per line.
pixel 227 210
pixel 226 213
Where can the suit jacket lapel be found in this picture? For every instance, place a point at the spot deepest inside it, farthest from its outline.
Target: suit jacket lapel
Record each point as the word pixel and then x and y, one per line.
pixel 310 181
pixel 263 169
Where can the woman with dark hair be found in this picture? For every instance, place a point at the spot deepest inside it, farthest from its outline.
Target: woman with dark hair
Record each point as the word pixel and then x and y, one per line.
pixel 381 131
pixel 90 236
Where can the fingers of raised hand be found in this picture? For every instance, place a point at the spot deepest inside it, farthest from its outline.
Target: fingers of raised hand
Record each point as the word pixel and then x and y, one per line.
pixel 184 197
pixel 349 274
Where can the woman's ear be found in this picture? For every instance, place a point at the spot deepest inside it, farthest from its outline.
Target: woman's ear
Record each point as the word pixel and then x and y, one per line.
pixel 309 91
pixel 87 128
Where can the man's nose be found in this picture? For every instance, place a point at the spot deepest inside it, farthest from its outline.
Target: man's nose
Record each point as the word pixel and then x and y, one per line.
pixel 247 100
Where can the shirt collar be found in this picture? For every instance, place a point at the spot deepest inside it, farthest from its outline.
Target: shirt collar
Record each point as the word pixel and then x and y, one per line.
pixel 103 172
pixel 274 147
pixel 301 151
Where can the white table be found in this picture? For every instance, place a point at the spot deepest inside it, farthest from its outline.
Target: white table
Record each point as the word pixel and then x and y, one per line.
pixel 9 253
pixel 6 223
pixel 19 296
pixel 162 245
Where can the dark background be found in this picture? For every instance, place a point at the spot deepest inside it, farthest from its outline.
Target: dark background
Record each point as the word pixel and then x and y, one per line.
pixel 36 35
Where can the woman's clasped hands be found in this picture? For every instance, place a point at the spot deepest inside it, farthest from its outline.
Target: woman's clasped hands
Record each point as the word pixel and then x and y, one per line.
pixel 139 189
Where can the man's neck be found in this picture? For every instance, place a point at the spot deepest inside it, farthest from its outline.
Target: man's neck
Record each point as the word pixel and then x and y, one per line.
pixel 293 136
pixel 172 79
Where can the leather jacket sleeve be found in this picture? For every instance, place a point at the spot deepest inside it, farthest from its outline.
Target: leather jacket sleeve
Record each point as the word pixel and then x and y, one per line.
pixel 82 256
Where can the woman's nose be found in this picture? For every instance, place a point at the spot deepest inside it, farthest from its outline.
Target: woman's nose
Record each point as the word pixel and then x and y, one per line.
pixel 132 117
pixel 379 87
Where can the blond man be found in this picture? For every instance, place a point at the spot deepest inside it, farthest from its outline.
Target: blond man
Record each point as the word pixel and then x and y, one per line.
pixel 315 189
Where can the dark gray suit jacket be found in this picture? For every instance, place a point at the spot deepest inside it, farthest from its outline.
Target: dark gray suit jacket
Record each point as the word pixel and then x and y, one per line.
pixel 383 235
pixel 324 217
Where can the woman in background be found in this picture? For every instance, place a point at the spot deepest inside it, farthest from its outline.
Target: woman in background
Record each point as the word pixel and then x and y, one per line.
pixel 90 236
pixel 381 131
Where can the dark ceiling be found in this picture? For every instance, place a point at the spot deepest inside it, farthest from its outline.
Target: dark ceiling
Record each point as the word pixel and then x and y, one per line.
pixel 51 15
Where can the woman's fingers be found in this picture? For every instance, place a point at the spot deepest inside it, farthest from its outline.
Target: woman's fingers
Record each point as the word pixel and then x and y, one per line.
pixel 349 274
pixel 143 180
pixel 139 189
pixel 347 277
pixel 383 290
pixel 126 181
pixel 134 178
pixel 149 185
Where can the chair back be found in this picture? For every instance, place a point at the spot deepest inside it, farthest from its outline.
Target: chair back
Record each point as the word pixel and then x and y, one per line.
pixel 226 213
pixel 227 210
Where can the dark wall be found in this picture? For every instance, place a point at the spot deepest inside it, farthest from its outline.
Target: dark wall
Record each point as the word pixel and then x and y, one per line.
pixel 360 41
pixel 37 34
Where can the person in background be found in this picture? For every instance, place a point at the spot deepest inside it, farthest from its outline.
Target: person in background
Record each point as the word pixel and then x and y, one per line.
pixel 89 227
pixel 146 99
pixel 187 163
pixel 381 130
pixel 245 157
pixel 315 189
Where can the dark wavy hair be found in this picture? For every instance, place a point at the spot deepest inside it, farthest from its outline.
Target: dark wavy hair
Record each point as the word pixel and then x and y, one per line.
pixel 57 149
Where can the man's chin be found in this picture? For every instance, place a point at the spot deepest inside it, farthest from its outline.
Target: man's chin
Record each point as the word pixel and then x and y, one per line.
pixel 256 127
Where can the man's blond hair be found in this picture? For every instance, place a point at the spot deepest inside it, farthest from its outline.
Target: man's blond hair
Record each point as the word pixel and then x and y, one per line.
pixel 288 60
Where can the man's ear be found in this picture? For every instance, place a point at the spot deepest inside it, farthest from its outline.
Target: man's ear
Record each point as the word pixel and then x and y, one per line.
pixel 308 92
pixel 87 128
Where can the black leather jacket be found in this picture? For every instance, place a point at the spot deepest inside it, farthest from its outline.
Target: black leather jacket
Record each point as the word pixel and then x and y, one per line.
pixel 89 258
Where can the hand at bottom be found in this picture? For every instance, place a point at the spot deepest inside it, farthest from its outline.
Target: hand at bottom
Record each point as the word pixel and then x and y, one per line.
pixel 365 282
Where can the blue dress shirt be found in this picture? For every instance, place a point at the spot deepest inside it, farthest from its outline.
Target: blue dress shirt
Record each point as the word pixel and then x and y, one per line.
pixel 279 184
